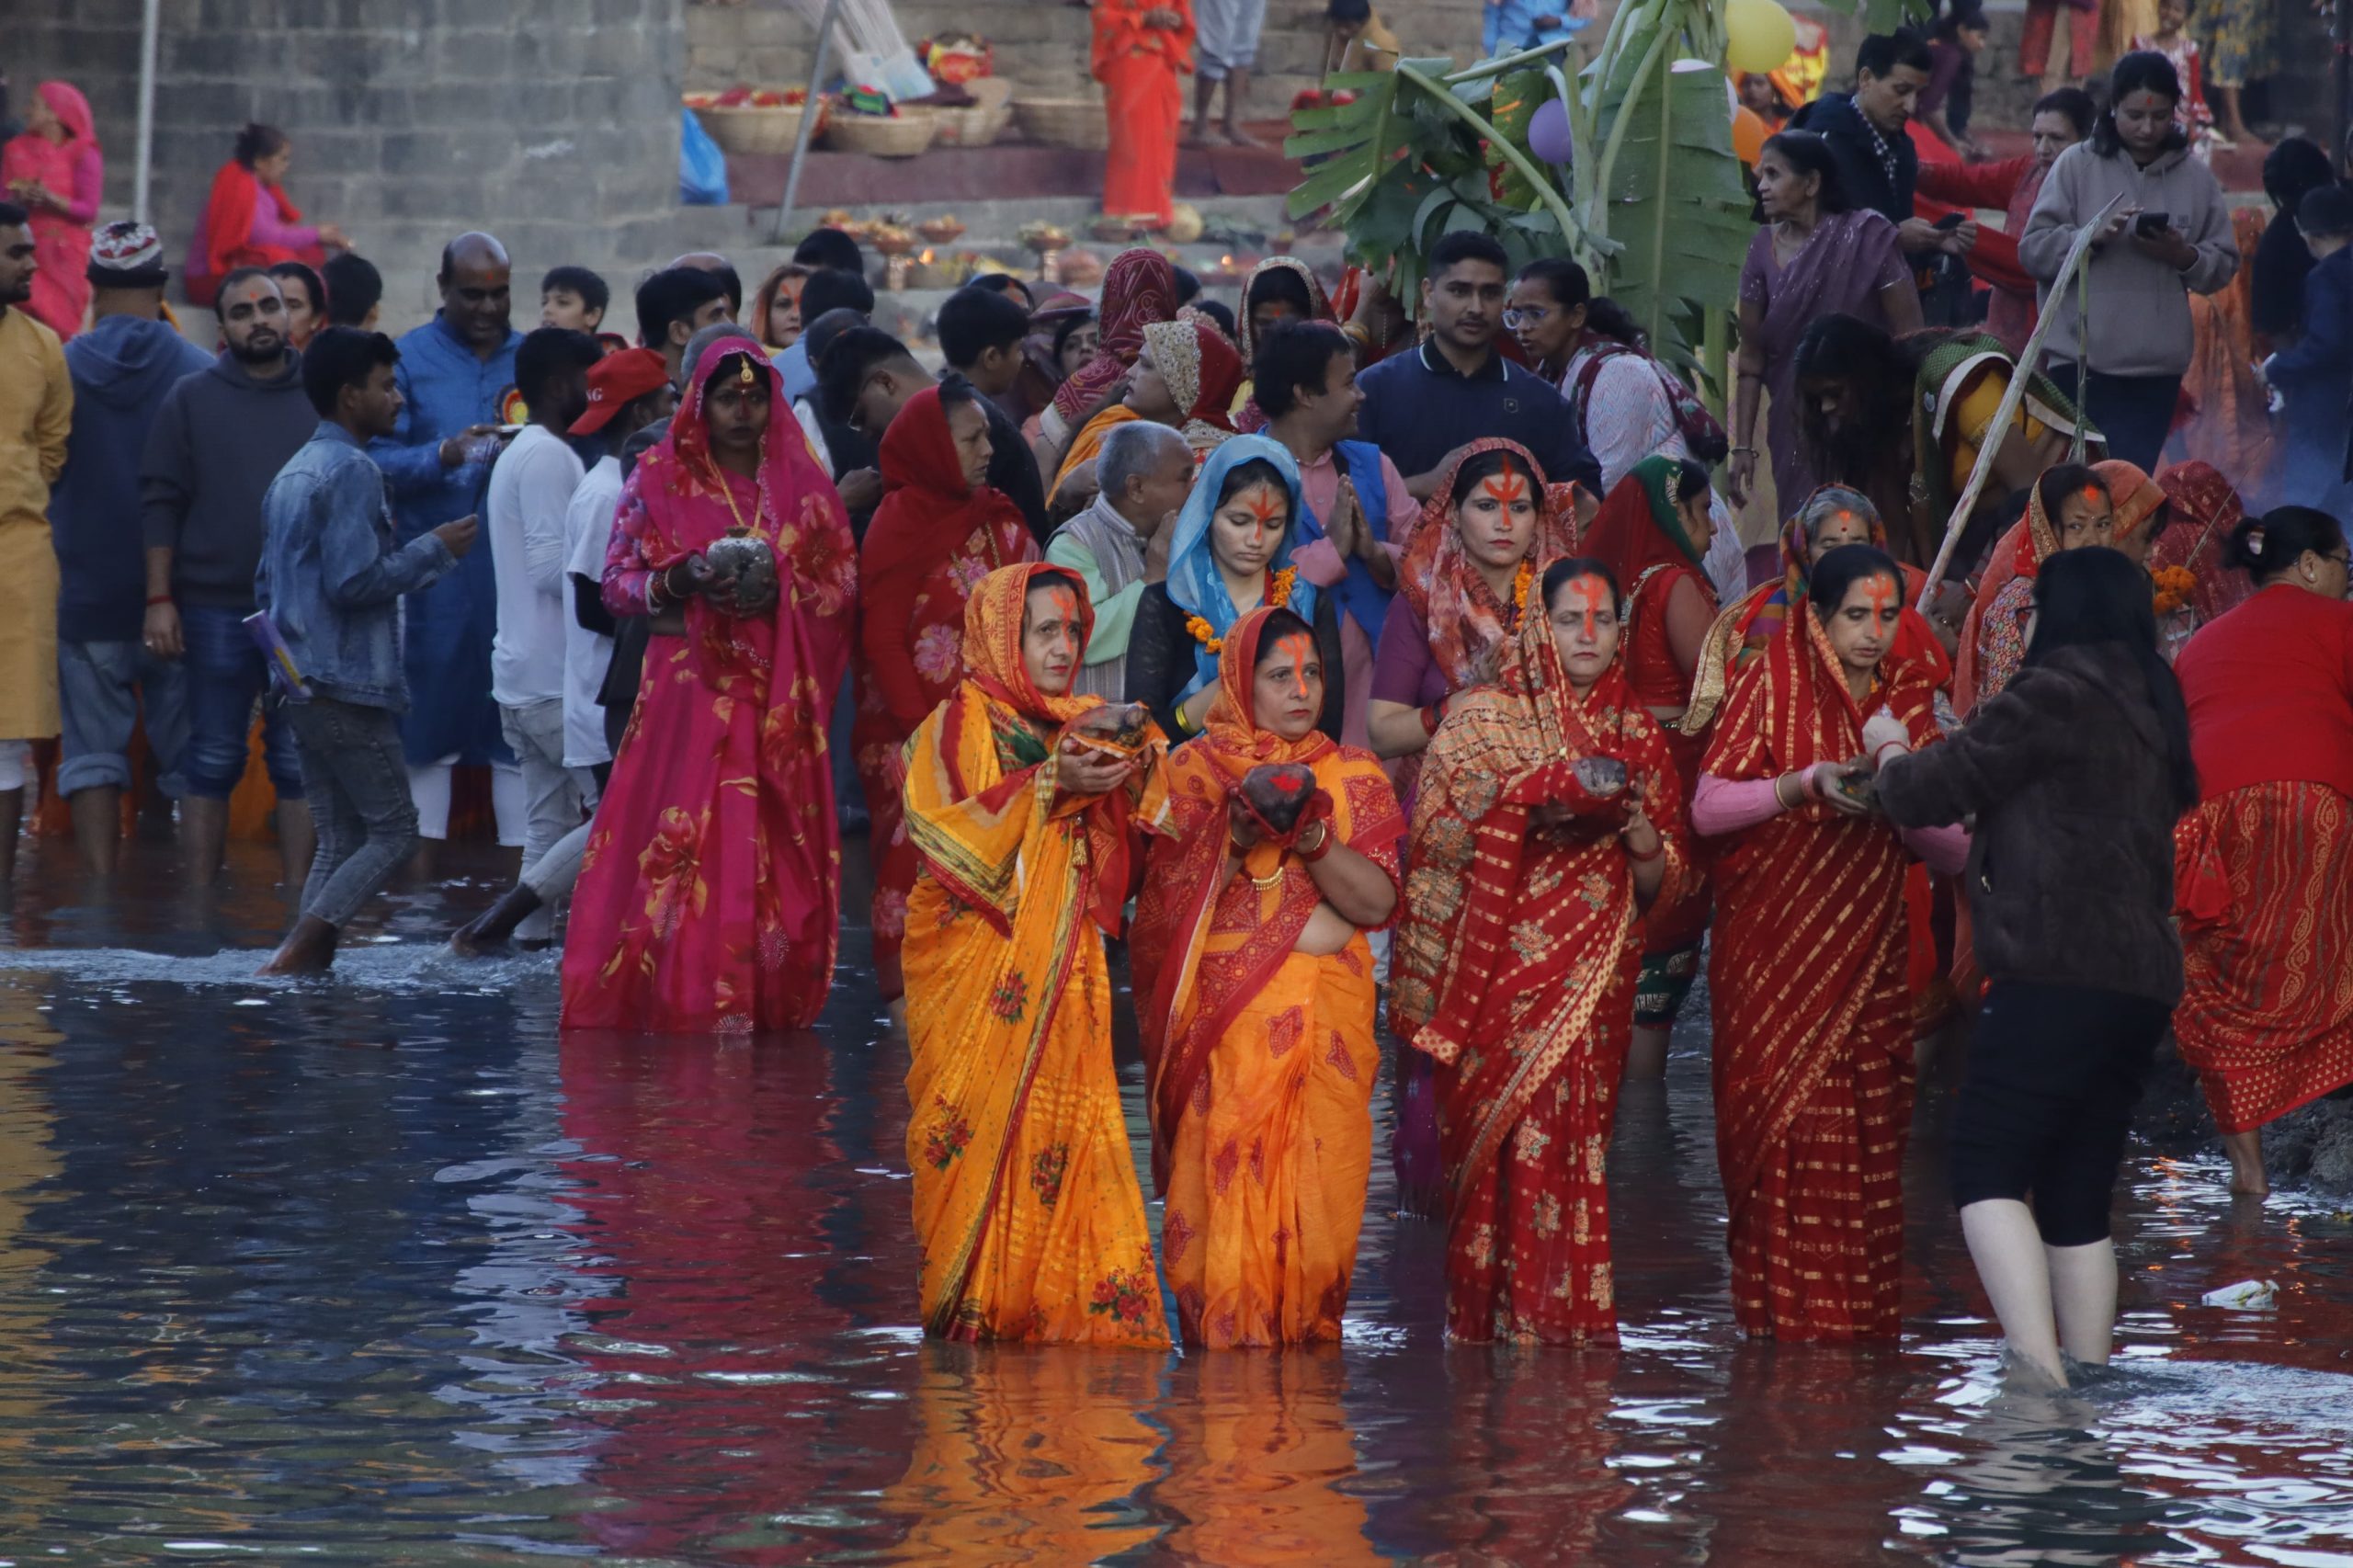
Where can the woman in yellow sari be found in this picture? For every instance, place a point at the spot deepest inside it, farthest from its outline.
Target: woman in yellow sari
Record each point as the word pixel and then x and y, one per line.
pixel 1254 983
pixel 1026 1202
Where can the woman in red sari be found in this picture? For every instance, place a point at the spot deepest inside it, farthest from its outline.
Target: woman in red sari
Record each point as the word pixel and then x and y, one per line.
pixel 54 171
pixel 1257 1002
pixel 1143 52
pixel 1813 1059
pixel 248 218
pixel 1139 288
pixel 710 895
pixel 938 531
pixel 1517 961
pixel 1653 532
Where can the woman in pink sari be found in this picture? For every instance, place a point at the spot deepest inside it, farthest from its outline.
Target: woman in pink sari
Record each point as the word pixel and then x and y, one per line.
pixel 711 894
pixel 54 172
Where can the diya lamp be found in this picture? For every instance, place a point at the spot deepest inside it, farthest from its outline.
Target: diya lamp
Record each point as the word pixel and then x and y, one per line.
pixel 1047 242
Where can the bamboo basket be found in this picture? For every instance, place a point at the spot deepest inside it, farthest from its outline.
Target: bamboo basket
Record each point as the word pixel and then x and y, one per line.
pixel 1064 122
pixel 904 135
pixel 980 124
pixel 750 131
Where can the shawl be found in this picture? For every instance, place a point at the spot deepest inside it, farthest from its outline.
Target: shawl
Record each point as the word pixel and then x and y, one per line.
pixel 1190 873
pixel 1139 288
pixel 1203 371
pixel 1637 528
pixel 927 511
pixel 229 216
pixel 1464 618
pixel 997 692
pixel 2133 493
pixel 1195 585
pixel 2206 510
pixel 1479 935
pixel 34 156
pixel 1943 375
pixel 1749 628
pixel 1252 419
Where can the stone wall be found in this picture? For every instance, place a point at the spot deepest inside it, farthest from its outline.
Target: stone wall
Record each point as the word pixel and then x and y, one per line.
pixel 554 123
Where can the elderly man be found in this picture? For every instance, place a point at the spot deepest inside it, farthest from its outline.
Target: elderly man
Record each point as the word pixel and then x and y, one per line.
pixel 35 417
pixel 1120 543
pixel 457 383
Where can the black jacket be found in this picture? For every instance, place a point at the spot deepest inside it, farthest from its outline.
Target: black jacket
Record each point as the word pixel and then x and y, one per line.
pixel 2070 872
pixel 1862 178
pixel 1160 660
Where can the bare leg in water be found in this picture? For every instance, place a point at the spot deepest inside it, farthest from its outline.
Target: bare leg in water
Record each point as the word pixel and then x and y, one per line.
pixel 1646 1054
pixel 2245 1150
pixel 2015 1268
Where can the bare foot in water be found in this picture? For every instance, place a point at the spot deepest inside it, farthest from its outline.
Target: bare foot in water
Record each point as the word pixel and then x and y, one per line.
pixel 2247 1177
pixel 308 948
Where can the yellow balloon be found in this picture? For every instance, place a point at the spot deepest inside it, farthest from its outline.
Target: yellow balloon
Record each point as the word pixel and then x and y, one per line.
pixel 1759 35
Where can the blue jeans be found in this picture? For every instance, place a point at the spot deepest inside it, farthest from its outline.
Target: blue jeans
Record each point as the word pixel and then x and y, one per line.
pixel 226 675
pixel 103 690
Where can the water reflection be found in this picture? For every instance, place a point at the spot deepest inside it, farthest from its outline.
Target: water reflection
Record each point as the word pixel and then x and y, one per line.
pixel 383 1271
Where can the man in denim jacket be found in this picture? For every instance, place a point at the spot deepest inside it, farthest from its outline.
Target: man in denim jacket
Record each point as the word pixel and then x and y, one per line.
pixel 331 579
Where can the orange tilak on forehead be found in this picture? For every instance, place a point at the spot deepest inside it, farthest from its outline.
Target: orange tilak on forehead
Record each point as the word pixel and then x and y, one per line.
pixel 1589 596
pixel 1505 486
pixel 1062 603
pixel 1261 502
pixel 1296 648
pixel 1882 593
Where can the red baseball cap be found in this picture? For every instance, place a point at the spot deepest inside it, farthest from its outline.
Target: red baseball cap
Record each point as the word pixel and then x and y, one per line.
pixel 616 382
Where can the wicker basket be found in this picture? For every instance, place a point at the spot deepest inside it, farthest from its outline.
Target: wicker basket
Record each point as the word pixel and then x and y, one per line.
pixel 983 122
pixel 757 132
pixel 882 136
pixel 1064 122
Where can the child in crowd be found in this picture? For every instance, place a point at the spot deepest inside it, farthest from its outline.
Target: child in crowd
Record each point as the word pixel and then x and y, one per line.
pixel 2172 39
pixel 574 298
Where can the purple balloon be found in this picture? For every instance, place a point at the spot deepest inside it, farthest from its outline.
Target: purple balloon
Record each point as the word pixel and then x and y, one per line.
pixel 1548 131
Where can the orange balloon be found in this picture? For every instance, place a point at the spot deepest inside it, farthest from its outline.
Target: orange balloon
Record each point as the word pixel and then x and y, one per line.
pixel 1748 133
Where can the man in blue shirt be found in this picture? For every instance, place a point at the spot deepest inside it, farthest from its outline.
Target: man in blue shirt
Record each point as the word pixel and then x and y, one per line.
pixel 457 383
pixel 332 576
pixel 1422 404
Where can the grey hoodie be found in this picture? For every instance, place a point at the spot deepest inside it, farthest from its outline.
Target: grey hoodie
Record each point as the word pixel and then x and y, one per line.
pixel 2140 314
pixel 219 439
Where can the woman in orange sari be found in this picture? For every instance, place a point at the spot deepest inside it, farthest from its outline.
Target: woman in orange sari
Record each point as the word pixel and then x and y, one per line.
pixel 1255 993
pixel 1653 532
pixel 1026 1203
pixel 939 530
pixel 710 895
pixel 1814 1061
pixel 1518 962
pixel 1143 52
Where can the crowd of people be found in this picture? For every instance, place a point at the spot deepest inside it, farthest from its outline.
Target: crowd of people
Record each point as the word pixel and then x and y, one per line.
pixel 1302 658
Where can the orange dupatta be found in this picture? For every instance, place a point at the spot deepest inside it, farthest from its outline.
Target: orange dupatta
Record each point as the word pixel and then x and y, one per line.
pixel 1025 1196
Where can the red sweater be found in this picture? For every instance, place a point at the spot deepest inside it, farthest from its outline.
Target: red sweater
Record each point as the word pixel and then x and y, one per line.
pixel 2269 686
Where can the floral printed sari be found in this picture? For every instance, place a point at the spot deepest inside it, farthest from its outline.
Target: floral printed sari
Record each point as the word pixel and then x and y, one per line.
pixel 1262 1059
pixel 1515 971
pixel 710 895
pixel 1026 1202
pixel 1813 1014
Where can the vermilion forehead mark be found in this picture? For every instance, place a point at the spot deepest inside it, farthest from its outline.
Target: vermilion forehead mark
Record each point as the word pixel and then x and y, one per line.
pixel 1296 646
pixel 1261 502
pixel 1882 594
pixel 1589 596
pixel 1064 603
pixel 1507 486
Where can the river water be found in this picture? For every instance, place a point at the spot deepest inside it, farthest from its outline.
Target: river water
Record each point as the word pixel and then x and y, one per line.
pixel 382 1270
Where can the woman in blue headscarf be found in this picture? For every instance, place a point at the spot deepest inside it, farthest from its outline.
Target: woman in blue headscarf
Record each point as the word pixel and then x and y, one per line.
pixel 1230 554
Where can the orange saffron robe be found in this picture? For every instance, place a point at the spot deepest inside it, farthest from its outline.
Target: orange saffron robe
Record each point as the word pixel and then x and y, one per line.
pixel 1026 1203
pixel 1142 70
pixel 1262 1060
pixel 1517 968
pixel 1811 1012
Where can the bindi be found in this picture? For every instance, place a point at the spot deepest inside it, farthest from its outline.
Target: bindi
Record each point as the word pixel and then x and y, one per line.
pixel 1505 487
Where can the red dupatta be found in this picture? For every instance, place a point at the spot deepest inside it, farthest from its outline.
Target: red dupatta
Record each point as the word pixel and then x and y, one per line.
pixel 1185 1005
pixel 1139 288
pixel 1516 938
pixel 1809 901
pixel 927 511
pixel 1465 620
pixel 229 219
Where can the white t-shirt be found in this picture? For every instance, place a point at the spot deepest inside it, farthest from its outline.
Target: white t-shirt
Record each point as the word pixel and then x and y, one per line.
pixel 530 486
pixel 588 527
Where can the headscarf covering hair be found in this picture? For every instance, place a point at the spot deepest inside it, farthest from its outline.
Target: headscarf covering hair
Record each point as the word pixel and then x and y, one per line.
pixel 1319 308
pixel 1139 288
pixel 1203 372
pixel 1231 733
pixel 764 301
pixel 1640 527
pixel 66 102
pixel 2134 494
pixel 1828 501
pixel 1465 620
pixel 927 511
pixel 993 660
pixel 2206 510
pixel 2020 552
pixel 1195 585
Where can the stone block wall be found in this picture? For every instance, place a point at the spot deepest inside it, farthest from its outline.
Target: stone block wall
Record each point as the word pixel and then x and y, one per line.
pixel 551 124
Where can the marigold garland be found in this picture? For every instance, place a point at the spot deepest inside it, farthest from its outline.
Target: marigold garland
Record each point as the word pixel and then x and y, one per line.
pixel 1278 597
pixel 2174 587
pixel 1520 582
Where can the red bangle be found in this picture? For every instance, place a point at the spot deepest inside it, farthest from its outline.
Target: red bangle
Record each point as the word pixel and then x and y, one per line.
pixel 154 599
pixel 1432 716
pixel 1641 859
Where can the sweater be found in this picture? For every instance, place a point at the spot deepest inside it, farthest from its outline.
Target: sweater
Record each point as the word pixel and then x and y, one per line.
pixel 219 439
pixel 124 369
pixel 2140 323
pixel 2070 874
pixel 2270 687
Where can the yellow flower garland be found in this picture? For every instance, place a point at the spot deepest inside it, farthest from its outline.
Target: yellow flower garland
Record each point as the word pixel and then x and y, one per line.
pixel 1278 597
pixel 1520 583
